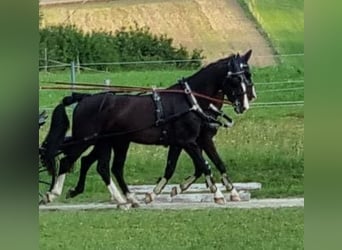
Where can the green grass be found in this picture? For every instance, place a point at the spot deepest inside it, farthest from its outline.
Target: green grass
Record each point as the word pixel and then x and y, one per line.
pixel 191 229
pixel 282 22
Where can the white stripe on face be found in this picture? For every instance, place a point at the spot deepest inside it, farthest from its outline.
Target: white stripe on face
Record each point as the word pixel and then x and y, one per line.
pixel 254 93
pixel 245 99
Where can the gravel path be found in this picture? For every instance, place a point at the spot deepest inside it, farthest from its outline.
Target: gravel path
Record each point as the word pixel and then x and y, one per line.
pixel 253 203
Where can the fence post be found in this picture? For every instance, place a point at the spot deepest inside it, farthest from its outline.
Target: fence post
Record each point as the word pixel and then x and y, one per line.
pixel 78 64
pixel 107 84
pixel 46 60
pixel 73 75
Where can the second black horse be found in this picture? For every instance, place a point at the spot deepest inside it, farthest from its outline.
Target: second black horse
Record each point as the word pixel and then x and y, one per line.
pixel 106 121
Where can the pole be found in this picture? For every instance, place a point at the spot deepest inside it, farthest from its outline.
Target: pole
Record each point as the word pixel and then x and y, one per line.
pixel 73 75
pixel 107 83
pixel 46 60
pixel 78 64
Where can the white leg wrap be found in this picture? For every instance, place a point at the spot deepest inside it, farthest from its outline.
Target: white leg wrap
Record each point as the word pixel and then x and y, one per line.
pixel 186 184
pixel 153 196
pixel 116 195
pixel 160 186
pixel 57 188
pixel 131 197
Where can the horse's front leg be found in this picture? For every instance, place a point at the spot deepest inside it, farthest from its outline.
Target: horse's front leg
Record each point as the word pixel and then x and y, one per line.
pixel 208 145
pixel 172 158
pixel 202 165
pixel 86 163
pixel 187 182
pixel 218 196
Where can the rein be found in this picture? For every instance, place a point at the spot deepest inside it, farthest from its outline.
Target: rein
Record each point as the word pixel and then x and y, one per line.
pixel 127 89
pixel 195 94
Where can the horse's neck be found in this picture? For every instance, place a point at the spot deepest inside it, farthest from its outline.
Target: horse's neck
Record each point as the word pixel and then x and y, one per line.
pixel 220 97
pixel 205 88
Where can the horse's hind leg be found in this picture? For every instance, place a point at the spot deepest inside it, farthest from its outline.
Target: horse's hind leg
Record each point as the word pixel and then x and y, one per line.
pixel 172 159
pixel 104 153
pixel 120 154
pixel 65 166
pixel 86 163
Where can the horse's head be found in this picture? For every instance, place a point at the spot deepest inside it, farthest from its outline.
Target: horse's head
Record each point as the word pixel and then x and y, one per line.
pixel 238 85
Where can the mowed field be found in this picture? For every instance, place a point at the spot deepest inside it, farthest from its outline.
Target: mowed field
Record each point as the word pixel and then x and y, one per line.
pixel 266 145
pixel 219 27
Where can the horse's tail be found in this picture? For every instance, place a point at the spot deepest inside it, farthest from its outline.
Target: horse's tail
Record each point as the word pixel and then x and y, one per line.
pixel 56 135
pixel 74 97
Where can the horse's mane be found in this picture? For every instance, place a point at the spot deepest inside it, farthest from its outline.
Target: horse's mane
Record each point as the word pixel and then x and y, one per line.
pixel 219 63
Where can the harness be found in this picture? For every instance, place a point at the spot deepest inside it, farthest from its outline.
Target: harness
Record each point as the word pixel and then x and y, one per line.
pixel 160 116
pixel 195 106
pixel 161 119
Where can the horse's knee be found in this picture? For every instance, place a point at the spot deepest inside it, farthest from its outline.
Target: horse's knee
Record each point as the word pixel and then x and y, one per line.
pixel 65 165
pixel 103 171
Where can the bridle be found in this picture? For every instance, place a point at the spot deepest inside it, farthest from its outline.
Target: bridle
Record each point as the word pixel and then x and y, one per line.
pixel 243 80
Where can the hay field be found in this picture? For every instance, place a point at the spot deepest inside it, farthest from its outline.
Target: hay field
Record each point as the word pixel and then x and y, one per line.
pixel 219 27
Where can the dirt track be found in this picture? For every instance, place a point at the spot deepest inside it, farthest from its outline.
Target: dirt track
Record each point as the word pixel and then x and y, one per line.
pixel 253 203
pixel 219 27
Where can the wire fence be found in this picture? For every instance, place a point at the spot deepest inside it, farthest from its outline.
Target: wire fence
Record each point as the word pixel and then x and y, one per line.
pixel 255 105
pixel 59 64
pixel 85 66
pixel 280 90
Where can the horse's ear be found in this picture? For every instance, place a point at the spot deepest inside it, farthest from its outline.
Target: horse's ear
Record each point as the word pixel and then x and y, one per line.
pixel 247 55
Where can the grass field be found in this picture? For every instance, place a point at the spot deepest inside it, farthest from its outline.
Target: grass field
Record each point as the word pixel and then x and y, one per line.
pixel 265 145
pixel 217 26
pixel 196 229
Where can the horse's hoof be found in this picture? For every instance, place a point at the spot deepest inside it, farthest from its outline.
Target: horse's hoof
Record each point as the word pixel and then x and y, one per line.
pixel 69 194
pixel 174 192
pixel 44 201
pixel 135 205
pixel 124 206
pixel 234 195
pixel 148 198
pixel 213 188
pixel 235 198
pixel 220 201
pixel 48 198
pixel 184 187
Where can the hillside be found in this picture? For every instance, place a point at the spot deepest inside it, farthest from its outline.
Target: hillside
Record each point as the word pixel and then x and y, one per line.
pixel 219 27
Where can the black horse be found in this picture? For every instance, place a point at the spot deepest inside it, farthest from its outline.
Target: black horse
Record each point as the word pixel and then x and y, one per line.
pixel 126 119
pixel 205 142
